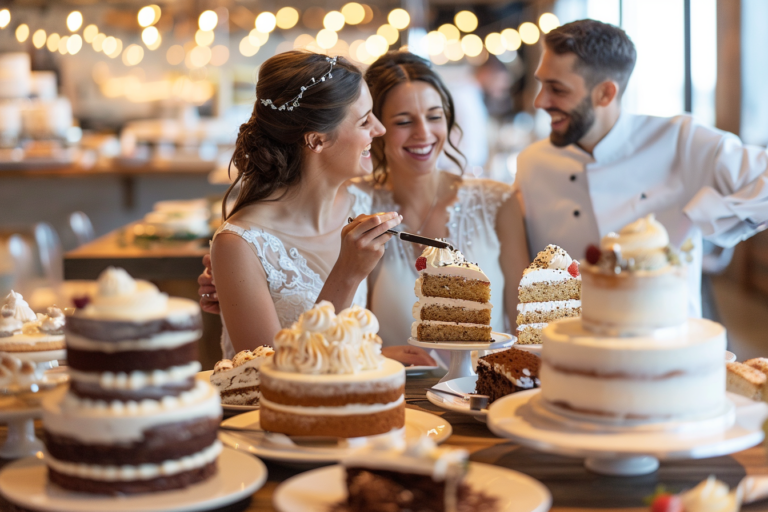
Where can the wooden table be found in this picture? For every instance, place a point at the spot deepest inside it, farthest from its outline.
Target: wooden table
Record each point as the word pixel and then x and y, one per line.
pixel 572 487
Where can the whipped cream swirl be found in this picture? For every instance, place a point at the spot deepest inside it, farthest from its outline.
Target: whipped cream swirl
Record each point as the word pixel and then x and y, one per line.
pixel 711 495
pixel 644 241
pixel 18 307
pixel 53 321
pixel 552 258
pixel 120 297
pixel 321 342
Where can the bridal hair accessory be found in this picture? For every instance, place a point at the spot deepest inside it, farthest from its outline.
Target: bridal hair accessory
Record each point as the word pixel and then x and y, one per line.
pixel 294 102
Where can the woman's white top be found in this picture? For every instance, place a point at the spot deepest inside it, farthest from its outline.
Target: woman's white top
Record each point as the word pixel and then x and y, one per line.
pixel 296 267
pixel 471 229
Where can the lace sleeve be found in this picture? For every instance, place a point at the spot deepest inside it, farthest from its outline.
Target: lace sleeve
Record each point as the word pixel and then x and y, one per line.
pixel 495 193
pixel 475 211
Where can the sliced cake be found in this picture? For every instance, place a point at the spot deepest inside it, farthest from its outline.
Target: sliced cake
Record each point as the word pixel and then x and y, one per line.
pixel 745 380
pixel 550 289
pixel 502 373
pixel 238 379
pixel 22 331
pixel 453 298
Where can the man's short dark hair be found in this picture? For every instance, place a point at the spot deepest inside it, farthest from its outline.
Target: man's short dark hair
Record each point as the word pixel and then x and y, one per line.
pixel 604 51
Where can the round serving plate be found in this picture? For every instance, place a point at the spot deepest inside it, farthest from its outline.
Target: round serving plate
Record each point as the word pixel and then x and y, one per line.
pixel 231 409
pixel 320 489
pixel 461 360
pixel 25 483
pixel 417 424
pixel 413 371
pixel 452 403
pixel 629 451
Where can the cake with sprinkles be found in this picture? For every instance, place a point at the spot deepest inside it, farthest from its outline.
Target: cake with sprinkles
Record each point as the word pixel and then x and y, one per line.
pixel 453 298
pixel 550 289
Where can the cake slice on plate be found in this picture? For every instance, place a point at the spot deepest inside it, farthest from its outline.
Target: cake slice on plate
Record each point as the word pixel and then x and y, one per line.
pixel 745 380
pixel 505 372
pixel 453 298
pixel 238 380
pixel 550 289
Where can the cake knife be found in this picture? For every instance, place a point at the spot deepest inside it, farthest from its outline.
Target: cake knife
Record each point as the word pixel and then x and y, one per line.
pixel 416 239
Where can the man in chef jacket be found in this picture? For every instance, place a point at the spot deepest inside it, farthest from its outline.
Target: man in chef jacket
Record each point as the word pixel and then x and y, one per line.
pixel 602 168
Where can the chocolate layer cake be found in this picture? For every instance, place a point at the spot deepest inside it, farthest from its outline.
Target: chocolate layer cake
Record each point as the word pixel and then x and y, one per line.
pixel 134 418
pixel 506 372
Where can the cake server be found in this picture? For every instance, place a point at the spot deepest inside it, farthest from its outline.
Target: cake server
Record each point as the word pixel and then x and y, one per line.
pixel 476 402
pixel 415 239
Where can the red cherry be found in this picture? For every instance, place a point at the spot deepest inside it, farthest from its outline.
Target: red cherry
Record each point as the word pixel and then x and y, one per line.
pixel 421 263
pixel 667 503
pixel 81 302
pixel 593 254
pixel 573 268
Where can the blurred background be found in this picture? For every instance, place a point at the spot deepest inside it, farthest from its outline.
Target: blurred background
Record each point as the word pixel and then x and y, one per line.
pixel 118 118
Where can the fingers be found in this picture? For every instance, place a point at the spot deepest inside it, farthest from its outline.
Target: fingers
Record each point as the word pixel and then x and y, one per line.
pixel 364 224
pixel 205 279
pixel 420 357
pixel 210 306
pixel 207 262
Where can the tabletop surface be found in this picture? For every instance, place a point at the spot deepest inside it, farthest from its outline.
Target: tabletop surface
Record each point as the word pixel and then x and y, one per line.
pixel 572 487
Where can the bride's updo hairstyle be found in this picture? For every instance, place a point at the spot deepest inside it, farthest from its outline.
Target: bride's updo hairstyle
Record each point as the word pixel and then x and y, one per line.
pixel 395 68
pixel 268 151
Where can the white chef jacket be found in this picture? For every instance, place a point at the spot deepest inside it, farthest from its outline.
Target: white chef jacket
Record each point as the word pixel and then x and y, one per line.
pixel 699 181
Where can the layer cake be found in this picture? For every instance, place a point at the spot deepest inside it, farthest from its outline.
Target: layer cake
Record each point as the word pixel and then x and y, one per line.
pixel 328 377
pixel 550 289
pixel 21 330
pixel 453 298
pixel 134 419
pixel 238 380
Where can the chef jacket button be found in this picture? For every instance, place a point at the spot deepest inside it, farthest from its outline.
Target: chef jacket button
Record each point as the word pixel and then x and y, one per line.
pixel 643 196
pixel 576 213
pixel 573 177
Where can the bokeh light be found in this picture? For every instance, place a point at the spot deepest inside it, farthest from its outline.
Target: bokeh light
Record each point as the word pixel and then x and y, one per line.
pixel 376 45
pixel 98 41
pixel 90 33
pixel 133 55
pixel 74 44
pixel 257 38
pixel 149 35
pixel 38 38
pixel 247 48
pixel 208 20
pixel 53 42
pixel 399 19
pixel 466 21
pixel 326 38
pixel 265 22
pixel 450 32
pixel 454 51
pixel 175 55
pixel 22 32
pixel 435 43
pixel 334 20
pixel 74 21
pixel 63 45
pixel 494 43
pixel 5 18
pixel 512 40
pixel 472 45
pixel 529 33
pixel 219 55
pixel 148 15
pixel 354 13
pixel 548 22
pixel 287 17
pixel 303 41
pixel 204 37
pixel 389 33
pixel 200 56
pixel 440 58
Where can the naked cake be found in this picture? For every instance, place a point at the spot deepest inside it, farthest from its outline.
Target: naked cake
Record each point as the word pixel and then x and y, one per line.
pixel 238 380
pixel 21 330
pixel 328 377
pixel 550 289
pixel 453 298
pixel 134 419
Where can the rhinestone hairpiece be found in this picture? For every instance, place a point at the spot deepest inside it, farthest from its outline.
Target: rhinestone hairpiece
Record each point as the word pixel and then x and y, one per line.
pixel 294 102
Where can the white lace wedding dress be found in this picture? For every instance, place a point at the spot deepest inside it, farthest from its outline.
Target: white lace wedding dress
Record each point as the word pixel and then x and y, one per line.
pixel 296 267
pixel 471 229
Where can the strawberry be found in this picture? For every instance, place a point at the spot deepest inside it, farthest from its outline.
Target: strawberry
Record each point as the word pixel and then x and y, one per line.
pixel 667 503
pixel 81 302
pixel 593 254
pixel 421 263
pixel 573 268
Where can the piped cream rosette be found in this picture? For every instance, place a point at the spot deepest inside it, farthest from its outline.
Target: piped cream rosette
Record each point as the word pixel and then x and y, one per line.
pixel 643 243
pixel 322 342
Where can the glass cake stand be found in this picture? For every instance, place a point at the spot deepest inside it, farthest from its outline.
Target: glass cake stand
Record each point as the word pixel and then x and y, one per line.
pixel 627 449
pixel 461 359
pixel 19 407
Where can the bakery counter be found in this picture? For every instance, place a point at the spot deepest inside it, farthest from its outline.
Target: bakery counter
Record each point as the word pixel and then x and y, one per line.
pixel 572 487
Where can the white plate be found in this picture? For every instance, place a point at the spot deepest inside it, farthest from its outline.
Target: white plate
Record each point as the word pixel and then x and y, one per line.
pixel 454 403
pixel 206 377
pixel 417 424
pixel 25 483
pixel 419 370
pixel 500 340
pixel 730 357
pixel 514 417
pixel 534 349
pixel 318 490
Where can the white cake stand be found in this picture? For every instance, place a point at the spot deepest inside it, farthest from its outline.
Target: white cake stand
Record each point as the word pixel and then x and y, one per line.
pixel 461 359
pixel 631 450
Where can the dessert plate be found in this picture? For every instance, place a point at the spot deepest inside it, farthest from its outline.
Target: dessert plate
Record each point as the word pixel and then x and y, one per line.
pixel 628 451
pixel 461 359
pixel 318 490
pixel 206 377
pixel 454 403
pixel 25 483
pixel 730 357
pixel 417 424
pixel 411 371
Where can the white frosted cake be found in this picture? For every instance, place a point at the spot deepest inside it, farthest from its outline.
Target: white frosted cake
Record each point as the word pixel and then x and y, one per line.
pixel 632 366
pixel 238 380
pixel 328 378
pixel 23 331
pixel 134 419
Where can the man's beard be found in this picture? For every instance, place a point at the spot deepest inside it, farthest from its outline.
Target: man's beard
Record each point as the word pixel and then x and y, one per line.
pixel 580 121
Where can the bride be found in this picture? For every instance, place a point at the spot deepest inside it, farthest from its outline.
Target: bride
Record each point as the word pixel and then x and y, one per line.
pixel 286 243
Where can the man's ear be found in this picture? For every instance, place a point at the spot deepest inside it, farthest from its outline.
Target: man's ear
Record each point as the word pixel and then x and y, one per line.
pixel 604 93
pixel 314 141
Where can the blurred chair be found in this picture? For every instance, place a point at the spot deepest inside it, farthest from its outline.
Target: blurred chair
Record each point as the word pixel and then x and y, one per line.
pixel 50 253
pixel 21 267
pixel 82 227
